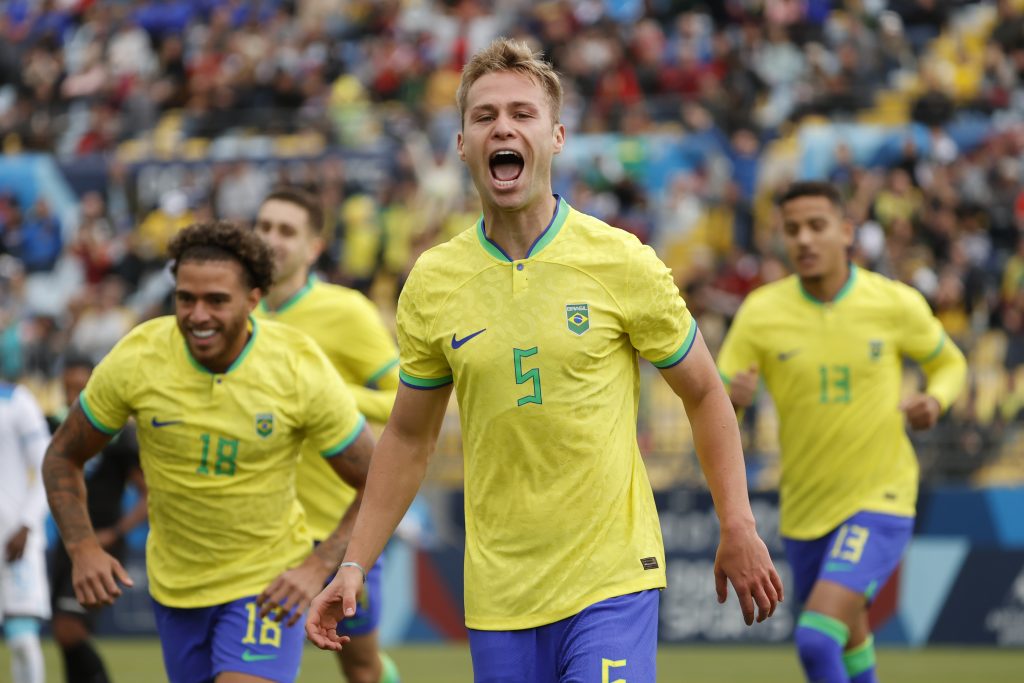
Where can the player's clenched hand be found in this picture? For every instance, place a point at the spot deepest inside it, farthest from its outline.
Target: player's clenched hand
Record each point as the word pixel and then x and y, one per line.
pixel 95 574
pixel 922 411
pixel 291 592
pixel 334 604
pixel 743 559
pixel 743 387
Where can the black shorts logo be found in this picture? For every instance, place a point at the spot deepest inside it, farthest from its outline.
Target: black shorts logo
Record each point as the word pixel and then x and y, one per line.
pixel 649 562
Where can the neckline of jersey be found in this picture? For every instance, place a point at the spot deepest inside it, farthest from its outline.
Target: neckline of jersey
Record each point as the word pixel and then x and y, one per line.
pixel 544 239
pixel 293 299
pixel 234 364
pixel 841 294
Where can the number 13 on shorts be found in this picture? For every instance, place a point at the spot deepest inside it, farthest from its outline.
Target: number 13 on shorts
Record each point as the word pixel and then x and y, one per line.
pixel 850 541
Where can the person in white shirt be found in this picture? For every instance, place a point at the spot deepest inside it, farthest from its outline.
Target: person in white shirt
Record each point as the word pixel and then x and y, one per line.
pixel 24 592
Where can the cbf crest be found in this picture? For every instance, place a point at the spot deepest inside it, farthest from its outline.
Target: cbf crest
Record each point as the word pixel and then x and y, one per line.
pixel 875 349
pixel 264 424
pixel 577 317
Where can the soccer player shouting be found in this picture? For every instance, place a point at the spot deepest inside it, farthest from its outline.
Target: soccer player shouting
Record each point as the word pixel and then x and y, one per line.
pixel 222 405
pixel 536 316
pixel 829 342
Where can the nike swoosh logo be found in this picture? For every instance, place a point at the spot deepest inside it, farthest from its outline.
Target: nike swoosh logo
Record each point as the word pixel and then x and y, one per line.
pixel 456 343
pixel 786 355
pixel 158 424
pixel 248 656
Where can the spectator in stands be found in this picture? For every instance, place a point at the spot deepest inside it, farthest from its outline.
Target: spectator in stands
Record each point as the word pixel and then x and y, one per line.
pixel 104 320
pixel 41 240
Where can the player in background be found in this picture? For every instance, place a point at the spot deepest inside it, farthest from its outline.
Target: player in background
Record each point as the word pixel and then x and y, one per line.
pixel 24 595
pixel 222 404
pixel 106 477
pixel 829 343
pixel 348 328
pixel 536 316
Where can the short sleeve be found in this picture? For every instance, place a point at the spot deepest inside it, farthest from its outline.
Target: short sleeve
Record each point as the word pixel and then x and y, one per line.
pixel 659 325
pixel 923 336
pixel 738 352
pixel 332 420
pixel 422 364
pixel 105 400
pixel 374 354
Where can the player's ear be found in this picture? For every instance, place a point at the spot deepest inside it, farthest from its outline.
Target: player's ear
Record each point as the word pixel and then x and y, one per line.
pixel 849 231
pixel 253 298
pixel 558 137
pixel 316 247
pixel 458 145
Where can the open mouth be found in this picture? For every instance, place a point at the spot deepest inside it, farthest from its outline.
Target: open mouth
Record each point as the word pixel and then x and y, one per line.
pixel 506 165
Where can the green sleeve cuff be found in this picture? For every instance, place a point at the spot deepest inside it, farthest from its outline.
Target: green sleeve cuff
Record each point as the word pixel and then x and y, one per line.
pixel 681 353
pixel 93 419
pixel 347 441
pixel 371 381
pixel 421 383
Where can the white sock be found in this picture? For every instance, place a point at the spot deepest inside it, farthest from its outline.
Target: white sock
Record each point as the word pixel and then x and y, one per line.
pixel 26 657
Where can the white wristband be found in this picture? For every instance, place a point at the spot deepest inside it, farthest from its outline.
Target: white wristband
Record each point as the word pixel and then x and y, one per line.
pixel 356 565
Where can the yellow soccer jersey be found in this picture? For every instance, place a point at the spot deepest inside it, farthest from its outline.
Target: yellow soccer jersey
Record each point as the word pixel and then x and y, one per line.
pixel 543 353
pixel 219 453
pixel 834 371
pixel 348 328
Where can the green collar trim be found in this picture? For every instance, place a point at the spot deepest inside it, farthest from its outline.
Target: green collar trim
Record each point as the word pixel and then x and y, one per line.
pixel 293 299
pixel 839 295
pixel 543 240
pixel 238 361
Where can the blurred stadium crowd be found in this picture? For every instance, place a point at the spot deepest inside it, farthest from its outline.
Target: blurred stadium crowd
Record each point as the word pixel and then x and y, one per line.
pixel 685 118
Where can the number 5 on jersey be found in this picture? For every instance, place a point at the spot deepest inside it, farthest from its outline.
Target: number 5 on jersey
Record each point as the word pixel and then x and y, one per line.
pixel 532 375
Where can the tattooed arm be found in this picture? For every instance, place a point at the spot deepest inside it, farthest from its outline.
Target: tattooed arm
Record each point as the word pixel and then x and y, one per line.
pixel 94 573
pixel 295 588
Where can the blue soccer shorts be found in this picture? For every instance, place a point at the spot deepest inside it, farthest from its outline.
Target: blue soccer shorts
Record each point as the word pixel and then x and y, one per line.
pixel 612 640
pixel 200 643
pixel 861 554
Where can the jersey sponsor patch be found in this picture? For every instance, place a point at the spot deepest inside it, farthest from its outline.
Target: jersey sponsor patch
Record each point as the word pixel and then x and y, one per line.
pixel 577 317
pixel 649 562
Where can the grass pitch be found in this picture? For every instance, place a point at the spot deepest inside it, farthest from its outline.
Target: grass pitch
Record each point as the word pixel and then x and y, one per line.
pixel 140 661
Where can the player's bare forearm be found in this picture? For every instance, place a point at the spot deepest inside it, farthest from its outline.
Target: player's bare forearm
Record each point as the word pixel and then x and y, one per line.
pixel 75 441
pixel 352 465
pixel 398 467
pixel 331 550
pixel 715 433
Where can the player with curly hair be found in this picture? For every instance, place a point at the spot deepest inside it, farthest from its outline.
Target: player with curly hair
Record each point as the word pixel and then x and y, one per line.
pixel 222 404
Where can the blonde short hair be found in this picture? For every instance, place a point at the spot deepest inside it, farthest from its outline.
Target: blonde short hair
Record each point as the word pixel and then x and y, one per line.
pixel 506 54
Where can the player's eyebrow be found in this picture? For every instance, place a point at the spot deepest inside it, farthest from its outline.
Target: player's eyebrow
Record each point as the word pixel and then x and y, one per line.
pixel 491 108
